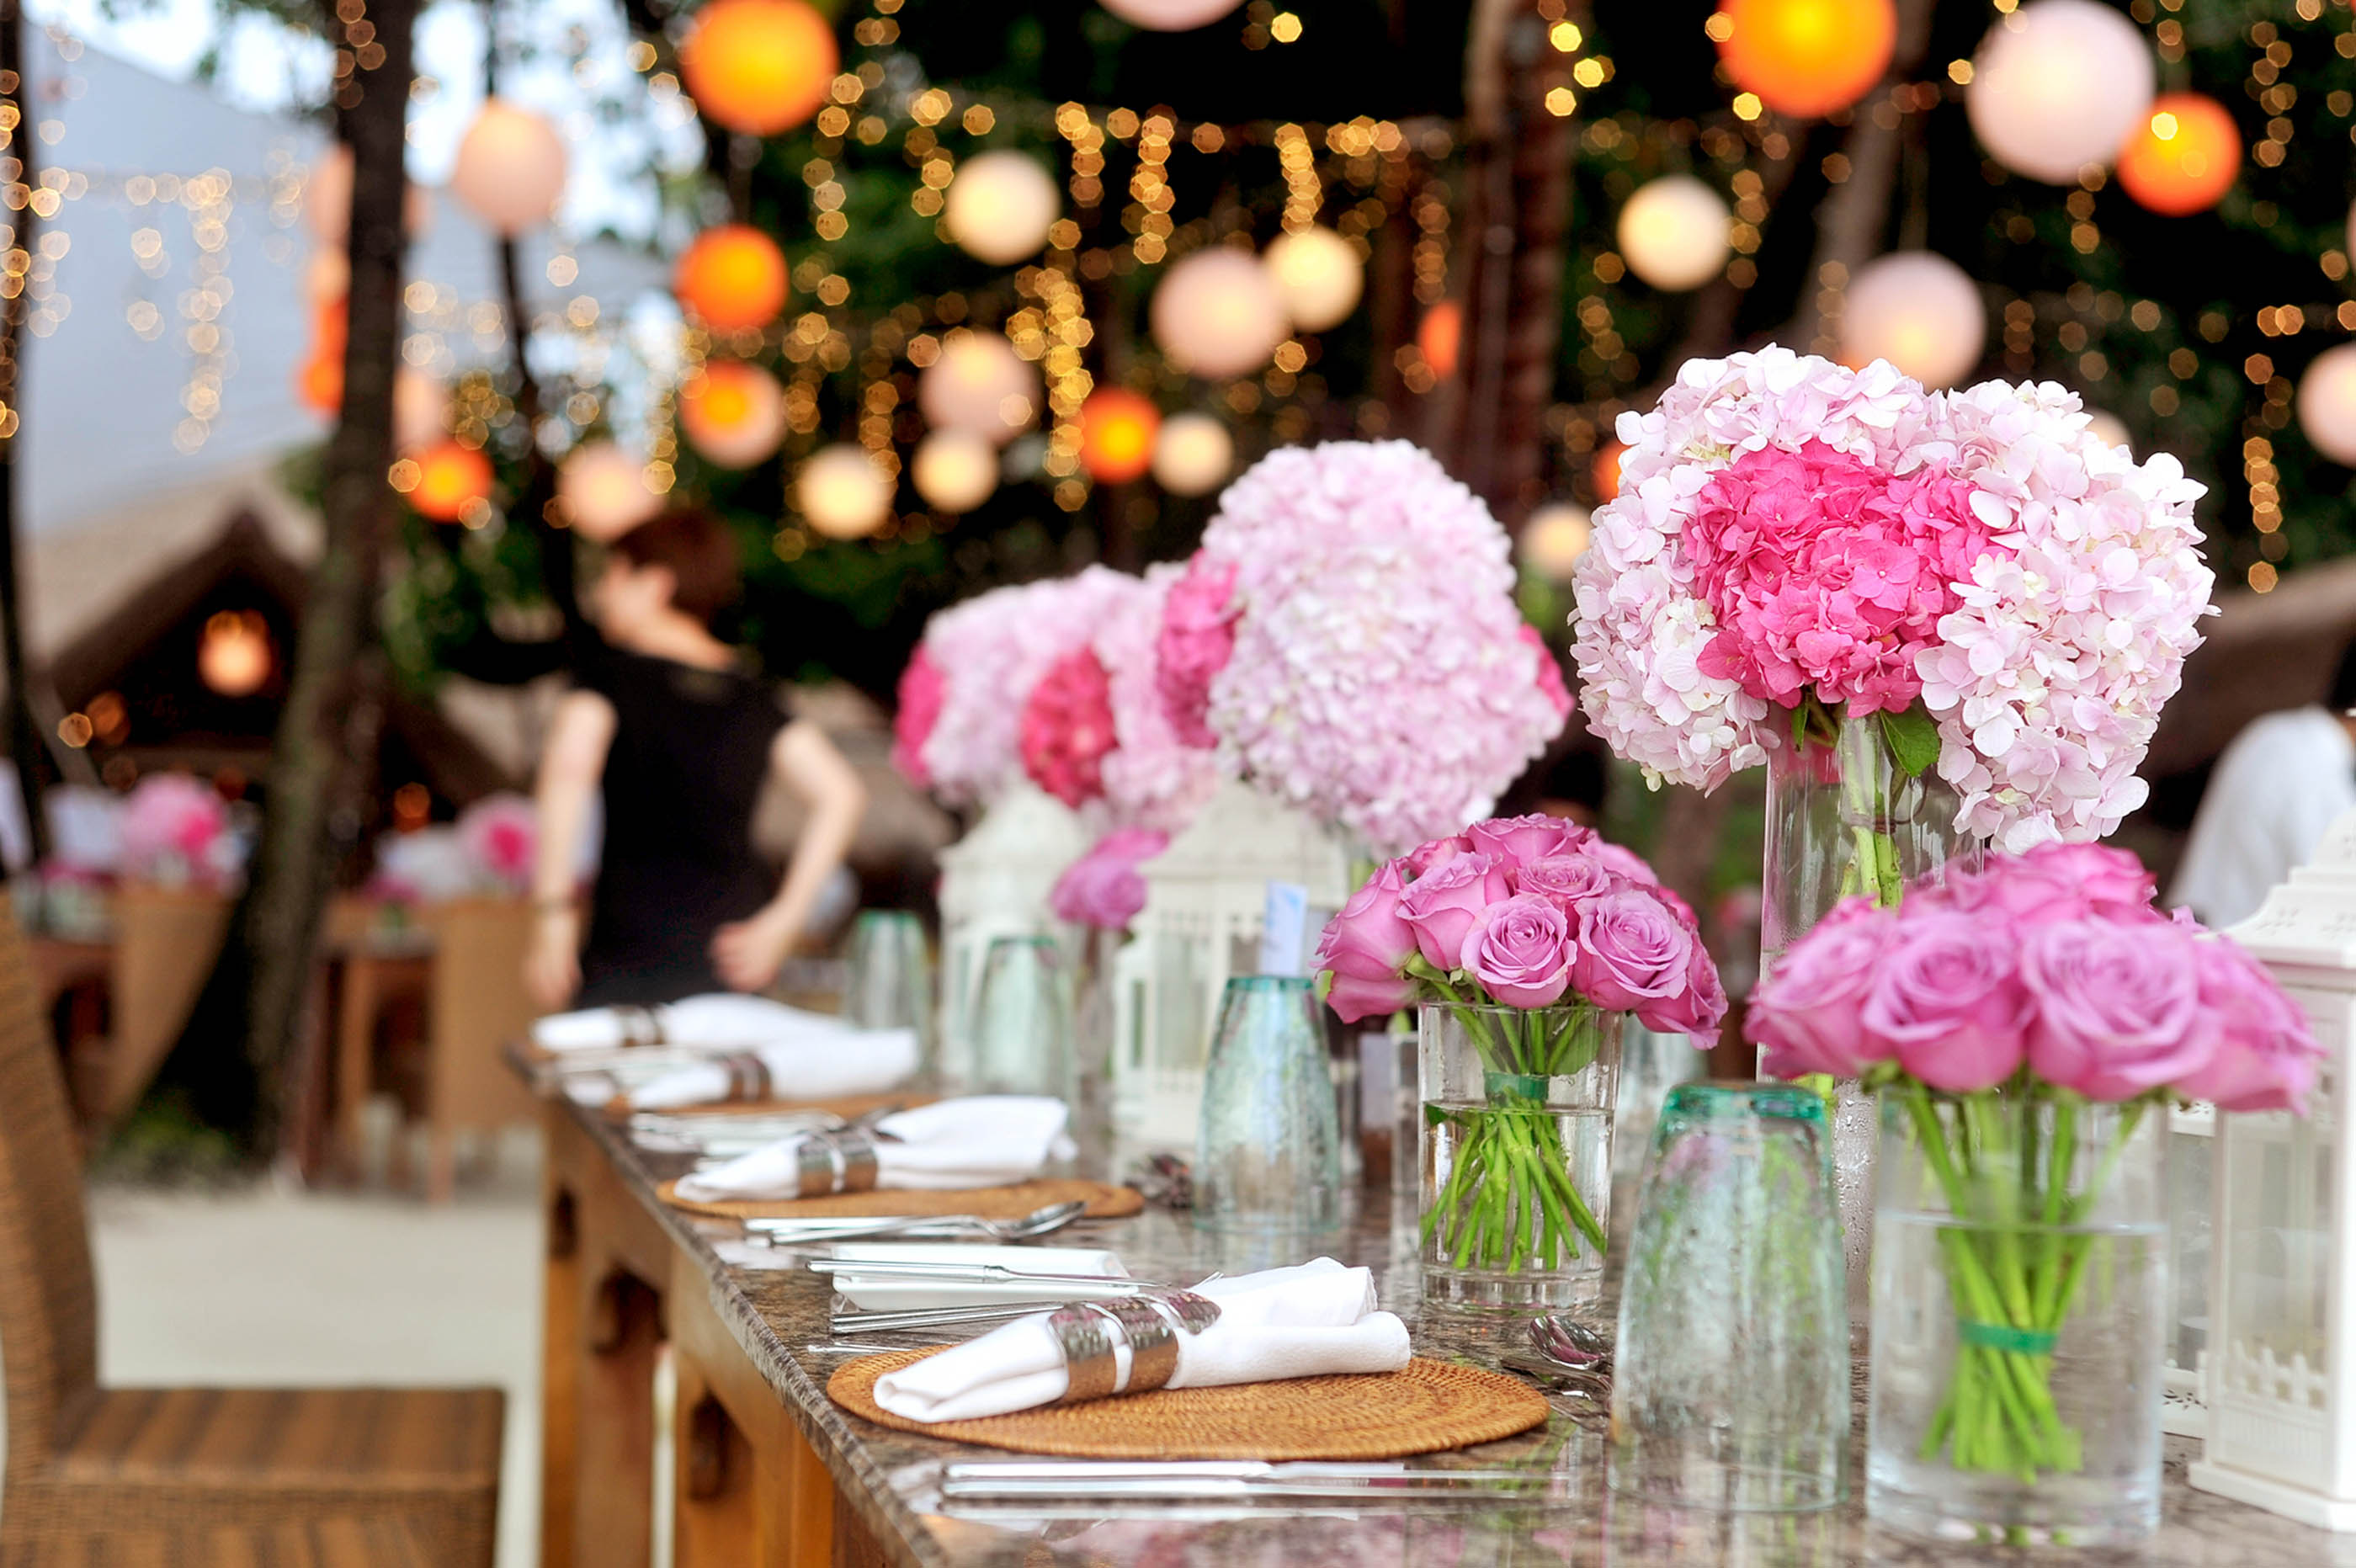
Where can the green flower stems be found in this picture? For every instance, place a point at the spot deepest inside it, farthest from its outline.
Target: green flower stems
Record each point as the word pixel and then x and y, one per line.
pixel 2013 1272
pixel 1509 1199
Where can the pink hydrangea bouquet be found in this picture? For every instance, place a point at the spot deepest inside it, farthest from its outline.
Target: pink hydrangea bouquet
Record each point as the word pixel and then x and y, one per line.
pixel 1347 637
pixel 1541 917
pixel 2001 1013
pixel 176 832
pixel 500 837
pixel 2007 597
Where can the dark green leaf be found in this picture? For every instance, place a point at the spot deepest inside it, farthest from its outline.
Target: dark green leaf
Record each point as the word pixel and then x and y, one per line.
pixel 1914 738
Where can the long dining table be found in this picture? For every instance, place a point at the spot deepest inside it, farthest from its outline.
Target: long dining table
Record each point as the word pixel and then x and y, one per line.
pixel 768 1470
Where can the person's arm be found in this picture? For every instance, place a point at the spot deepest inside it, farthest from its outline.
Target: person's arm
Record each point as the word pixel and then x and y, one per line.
pixel 749 953
pixel 572 764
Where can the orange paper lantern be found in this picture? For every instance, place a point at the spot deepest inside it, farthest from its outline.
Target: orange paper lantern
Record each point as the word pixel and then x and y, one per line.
pixel 450 479
pixel 319 383
pixel 2183 157
pixel 734 413
pixel 1607 470
pixel 1117 431
pixel 732 278
pixel 1807 57
pixel 759 66
pixel 1440 336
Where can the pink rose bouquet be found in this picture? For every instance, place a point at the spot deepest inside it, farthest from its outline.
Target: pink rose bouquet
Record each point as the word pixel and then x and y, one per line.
pixel 1530 930
pixel 1103 889
pixel 1996 1013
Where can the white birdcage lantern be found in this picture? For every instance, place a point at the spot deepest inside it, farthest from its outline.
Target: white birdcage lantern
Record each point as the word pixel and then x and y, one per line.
pixel 994 882
pixel 2277 1368
pixel 1205 909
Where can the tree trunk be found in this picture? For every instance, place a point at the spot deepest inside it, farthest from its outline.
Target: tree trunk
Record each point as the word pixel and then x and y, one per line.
pixel 540 474
pixel 1517 203
pixel 24 736
pixel 322 727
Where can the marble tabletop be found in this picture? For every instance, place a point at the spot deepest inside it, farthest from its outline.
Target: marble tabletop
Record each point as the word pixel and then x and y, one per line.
pixel 779 1315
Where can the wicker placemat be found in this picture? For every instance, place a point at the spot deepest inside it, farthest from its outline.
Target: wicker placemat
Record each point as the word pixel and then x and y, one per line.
pixel 1428 1407
pixel 1105 1202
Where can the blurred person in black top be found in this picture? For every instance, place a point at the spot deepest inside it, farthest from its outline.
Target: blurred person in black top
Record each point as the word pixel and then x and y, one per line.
pixel 668 722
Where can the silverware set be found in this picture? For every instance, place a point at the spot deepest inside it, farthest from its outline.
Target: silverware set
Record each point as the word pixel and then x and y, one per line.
pixel 812 1231
pixel 1186 1479
pixel 1567 1357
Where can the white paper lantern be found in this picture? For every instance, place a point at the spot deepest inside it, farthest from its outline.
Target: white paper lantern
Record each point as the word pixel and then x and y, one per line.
pixel 2057 85
pixel 1193 455
pixel 1000 206
pixel 979 384
pixel 1919 312
pixel 605 491
pixel 510 167
pixel 2109 429
pixel 1319 276
pixel 327 275
pixel 420 408
pixel 1675 233
pixel 955 470
pixel 1170 16
pixel 2326 403
pixel 843 492
pixel 328 199
pixel 1217 313
pixel 1554 538
pixel 734 413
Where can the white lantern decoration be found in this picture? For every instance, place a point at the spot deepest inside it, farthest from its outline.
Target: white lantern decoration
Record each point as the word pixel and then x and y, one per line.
pixel 979 384
pixel 1171 16
pixel 843 491
pixel 1203 895
pixel 327 275
pixel 1554 538
pixel 1675 233
pixel 1000 206
pixel 327 201
pixel 420 408
pixel 1217 313
pixel 2279 1369
pixel 2057 85
pixel 955 470
pixel 2109 429
pixel 995 882
pixel 734 413
pixel 605 491
pixel 1192 454
pixel 2326 403
pixel 1319 275
pixel 510 167
pixel 1919 312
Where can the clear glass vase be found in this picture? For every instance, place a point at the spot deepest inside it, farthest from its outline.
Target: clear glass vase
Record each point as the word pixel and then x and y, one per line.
pixel 1267 1158
pixel 1022 1024
pixel 2020 1319
pixel 1517 1156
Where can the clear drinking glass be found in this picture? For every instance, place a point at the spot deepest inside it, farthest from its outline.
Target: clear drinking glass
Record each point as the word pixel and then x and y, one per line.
pixel 1268 1156
pixel 1731 1383
pixel 1023 1021
pixel 889 977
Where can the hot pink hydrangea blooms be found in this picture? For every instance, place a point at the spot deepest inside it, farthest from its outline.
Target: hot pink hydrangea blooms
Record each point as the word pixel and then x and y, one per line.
pixel 922 691
pixel 1066 728
pixel 1153 778
pixel 1197 636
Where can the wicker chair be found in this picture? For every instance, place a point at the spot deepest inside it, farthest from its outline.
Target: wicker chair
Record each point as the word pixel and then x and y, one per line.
pixel 336 1477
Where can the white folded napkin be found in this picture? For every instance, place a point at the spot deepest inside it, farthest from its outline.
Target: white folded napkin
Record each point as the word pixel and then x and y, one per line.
pixel 987 1140
pixel 897 1292
pixel 823 1067
pixel 1307 1321
pixel 720 1021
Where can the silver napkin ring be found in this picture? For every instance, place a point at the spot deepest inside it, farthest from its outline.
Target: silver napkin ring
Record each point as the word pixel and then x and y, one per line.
pixel 843 1160
pixel 639 1026
pixel 748 1076
pixel 1083 1335
pixel 1153 1342
pixel 1151 1322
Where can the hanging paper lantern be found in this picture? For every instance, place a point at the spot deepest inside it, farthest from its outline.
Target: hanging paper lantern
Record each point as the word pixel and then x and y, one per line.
pixel 732 412
pixel 1440 336
pixel 421 408
pixel 1318 276
pixel 1217 313
pixel 2109 429
pixel 1605 470
pixel 234 655
pixel 843 492
pixel 319 382
pixel 979 384
pixel 1675 233
pixel 1554 538
pixel 1170 16
pixel 327 275
pixel 2326 403
pixel 328 201
pixel 510 167
pixel 732 278
pixel 1000 207
pixel 2183 157
pixel 759 66
pixel 1117 431
pixel 1193 455
pixel 955 470
pixel 1919 312
pixel 605 491
pixel 2057 85
pixel 1807 57
pixel 451 479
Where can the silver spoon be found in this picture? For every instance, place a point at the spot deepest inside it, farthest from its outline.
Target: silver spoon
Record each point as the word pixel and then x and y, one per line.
pixel 1038 1222
pixel 1570 1345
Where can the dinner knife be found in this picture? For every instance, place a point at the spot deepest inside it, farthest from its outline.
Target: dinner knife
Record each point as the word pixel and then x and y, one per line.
pixel 1233 1478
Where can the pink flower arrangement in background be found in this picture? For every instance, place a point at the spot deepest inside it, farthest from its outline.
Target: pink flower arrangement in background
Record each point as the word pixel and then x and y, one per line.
pixel 2048 969
pixel 1349 634
pixel 500 837
pixel 174 830
pixel 1066 728
pixel 1524 912
pixel 1154 777
pixel 922 692
pixel 1104 888
pixel 1790 532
